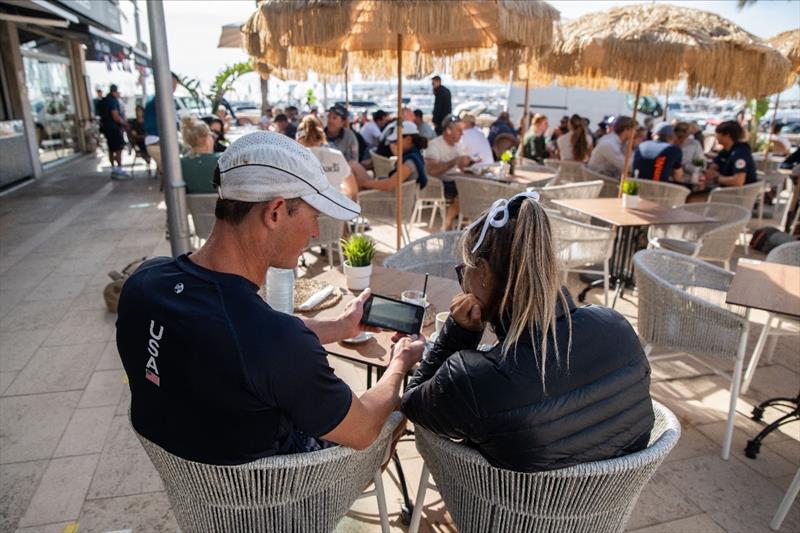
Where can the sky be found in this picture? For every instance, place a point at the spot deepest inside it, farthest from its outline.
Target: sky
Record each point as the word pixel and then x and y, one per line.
pixel 193 27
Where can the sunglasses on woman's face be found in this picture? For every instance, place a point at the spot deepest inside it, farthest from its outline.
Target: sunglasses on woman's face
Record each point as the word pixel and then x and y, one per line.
pixel 460 273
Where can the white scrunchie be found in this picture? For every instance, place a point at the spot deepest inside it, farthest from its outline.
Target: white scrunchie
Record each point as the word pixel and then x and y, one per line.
pixel 499 207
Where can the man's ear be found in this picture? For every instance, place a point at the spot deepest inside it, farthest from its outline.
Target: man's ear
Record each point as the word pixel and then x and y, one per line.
pixel 273 211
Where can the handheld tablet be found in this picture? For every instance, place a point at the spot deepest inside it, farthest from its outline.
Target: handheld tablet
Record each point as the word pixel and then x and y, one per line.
pixel 391 314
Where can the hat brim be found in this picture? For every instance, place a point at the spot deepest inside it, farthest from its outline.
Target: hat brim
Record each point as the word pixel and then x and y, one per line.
pixel 334 204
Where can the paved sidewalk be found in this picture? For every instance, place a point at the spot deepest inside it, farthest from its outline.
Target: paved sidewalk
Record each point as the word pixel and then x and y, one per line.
pixel 70 462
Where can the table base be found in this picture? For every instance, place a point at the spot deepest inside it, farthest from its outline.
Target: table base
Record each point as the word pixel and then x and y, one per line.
pixel 754 444
pixel 621 264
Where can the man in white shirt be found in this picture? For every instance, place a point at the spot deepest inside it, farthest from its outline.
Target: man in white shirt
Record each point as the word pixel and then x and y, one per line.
pixel 372 130
pixel 608 156
pixel 446 157
pixel 476 146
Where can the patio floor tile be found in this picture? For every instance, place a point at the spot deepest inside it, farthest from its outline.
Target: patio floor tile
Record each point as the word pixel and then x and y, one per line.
pixel 701 523
pixel 16 348
pixel 18 482
pixel 86 326
pixel 660 502
pixel 86 431
pixel 58 368
pixel 141 513
pixel 104 388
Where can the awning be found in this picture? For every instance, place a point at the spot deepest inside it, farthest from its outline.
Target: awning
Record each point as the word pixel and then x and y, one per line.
pixel 102 46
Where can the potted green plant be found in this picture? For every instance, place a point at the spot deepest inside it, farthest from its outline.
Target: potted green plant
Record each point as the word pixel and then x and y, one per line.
pixel 358 251
pixel 507 163
pixel 630 194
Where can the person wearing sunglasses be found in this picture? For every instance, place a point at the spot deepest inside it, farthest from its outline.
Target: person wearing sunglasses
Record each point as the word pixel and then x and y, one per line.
pixel 563 385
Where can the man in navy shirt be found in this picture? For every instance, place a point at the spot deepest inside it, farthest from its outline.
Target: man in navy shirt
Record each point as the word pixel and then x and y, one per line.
pixel 216 375
pixel 112 121
pixel 734 165
pixel 659 159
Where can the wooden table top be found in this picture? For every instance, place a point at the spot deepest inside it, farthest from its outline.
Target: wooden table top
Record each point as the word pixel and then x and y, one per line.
pixel 526 177
pixel 769 286
pixel 388 282
pixel 647 213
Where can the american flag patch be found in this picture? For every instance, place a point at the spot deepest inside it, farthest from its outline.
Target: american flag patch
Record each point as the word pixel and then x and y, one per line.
pixel 153 378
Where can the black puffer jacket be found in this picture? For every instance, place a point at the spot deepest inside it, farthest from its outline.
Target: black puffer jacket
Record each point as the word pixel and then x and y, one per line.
pixel 596 409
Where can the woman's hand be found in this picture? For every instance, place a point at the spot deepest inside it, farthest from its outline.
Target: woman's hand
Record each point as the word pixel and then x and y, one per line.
pixel 467 312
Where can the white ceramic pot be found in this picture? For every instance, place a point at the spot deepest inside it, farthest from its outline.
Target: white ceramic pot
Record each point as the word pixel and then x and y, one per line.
pixel 630 201
pixel 357 277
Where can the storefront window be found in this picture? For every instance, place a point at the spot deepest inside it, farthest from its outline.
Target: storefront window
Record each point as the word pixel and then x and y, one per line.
pixel 47 78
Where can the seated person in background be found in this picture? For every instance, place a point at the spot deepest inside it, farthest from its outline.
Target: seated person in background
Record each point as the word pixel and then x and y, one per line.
pixel 562 128
pixel 224 117
pixel 136 132
pixel 282 125
pixel 659 159
pixel 534 144
pixel 779 144
pixel 218 131
pixel 577 145
pixel 444 157
pixel 734 165
pixel 199 164
pixel 639 136
pixel 607 157
pixel 311 135
pixel 413 167
pixel 216 375
pixel 564 385
pixel 341 137
pixel 691 149
pixel 503 124
pixel 425 129
pixel 474 142
pixel 371 131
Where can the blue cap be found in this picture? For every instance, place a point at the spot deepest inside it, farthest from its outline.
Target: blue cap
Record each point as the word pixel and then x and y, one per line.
pixel 664 129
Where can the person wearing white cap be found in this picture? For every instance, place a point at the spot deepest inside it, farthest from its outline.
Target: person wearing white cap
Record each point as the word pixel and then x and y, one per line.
pixel 216 375
pixel 413 167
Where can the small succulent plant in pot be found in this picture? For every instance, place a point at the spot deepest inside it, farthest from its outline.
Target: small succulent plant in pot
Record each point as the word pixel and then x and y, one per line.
pixel 630 194
pixel 358 251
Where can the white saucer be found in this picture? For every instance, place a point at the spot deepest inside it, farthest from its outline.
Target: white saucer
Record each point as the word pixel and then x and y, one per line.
pixel 362 337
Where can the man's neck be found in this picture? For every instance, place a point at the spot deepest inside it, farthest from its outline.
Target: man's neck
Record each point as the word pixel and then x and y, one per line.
pixel 229 255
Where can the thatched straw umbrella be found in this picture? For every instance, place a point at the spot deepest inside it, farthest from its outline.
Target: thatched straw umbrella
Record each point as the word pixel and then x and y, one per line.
pixel 788 44
pixel 305 34
pixel 660 43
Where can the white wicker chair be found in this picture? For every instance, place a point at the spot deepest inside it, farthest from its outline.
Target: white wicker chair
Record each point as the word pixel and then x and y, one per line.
pixel 582 248
pixel 475 195
pixel 584 189
pixel 381 166
pixel 300 492
pixel 786 254
pixel 431 197
pixel 744 196
pixel 712 241
pixel 610 185
pixel 568 171
pixel 381 206
pixel 682 311
pixel 436 255
pixel 662 192
pixel 201 207
pixel 330 232
pixel 593 497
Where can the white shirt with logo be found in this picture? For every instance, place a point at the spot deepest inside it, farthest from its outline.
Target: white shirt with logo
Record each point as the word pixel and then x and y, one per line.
pixel 334 163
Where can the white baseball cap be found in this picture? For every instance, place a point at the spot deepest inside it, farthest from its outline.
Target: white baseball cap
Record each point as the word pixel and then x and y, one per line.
pixel 263 165
pixel 409 128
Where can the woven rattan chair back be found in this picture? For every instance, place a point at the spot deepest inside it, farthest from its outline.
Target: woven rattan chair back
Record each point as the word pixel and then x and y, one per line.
pixel 436 255
pixel 661 192
pixel 201 207
pixel 786 254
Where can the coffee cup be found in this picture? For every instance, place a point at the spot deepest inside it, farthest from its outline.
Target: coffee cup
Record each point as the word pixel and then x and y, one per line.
pixel 441 318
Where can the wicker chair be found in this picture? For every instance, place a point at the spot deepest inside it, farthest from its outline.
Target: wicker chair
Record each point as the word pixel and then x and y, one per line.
pixel 475 195
pixel 436 255
pixel 582 248
pixel 381 166
pixel 381 206
pixel 786 254
pixel 661 192
pixel 682 311
pixel 568 171
pixel 201 207
pixel 712 241
pixel 597 497
pixel 330 232
pixel 431 197
pixel 584 189
pixel 299 492
pixel 744 196
pixel 610 185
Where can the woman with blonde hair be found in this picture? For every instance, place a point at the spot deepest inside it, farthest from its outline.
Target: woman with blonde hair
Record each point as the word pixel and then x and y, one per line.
pixel 577 146
pixel 562 386
pixel 311 135
pixel 199 164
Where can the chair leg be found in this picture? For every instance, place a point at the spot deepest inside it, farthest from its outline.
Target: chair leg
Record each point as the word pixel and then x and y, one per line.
pixel 413 527
pixel 751 367
pixel 329 253
pixel 735 386
pixel 606 286
pixel 786 503
pixel 381 496
pixel 773 341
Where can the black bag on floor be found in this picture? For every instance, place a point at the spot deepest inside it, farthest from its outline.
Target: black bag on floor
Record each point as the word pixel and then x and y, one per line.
pixel 765 239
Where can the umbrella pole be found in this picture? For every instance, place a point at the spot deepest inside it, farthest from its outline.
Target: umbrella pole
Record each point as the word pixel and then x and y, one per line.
pixel 769 132
pixel 629 148
pixel 666 106
pixel 525 112
pixel 346 90
pixel 398 191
